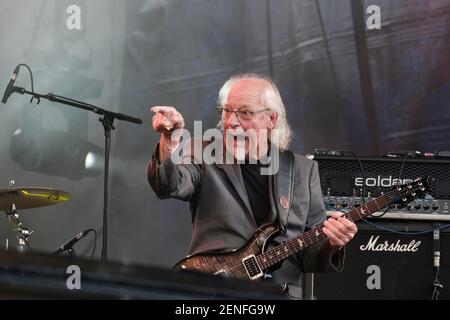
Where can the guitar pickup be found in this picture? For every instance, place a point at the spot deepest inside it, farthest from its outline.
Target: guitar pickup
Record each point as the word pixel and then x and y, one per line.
pixel 252 267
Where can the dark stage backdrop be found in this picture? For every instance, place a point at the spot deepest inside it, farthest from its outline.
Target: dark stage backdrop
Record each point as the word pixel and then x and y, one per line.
pixel 344 86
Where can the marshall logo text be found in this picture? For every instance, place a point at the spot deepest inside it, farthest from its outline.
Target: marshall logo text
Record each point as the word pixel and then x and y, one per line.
pixel 373 245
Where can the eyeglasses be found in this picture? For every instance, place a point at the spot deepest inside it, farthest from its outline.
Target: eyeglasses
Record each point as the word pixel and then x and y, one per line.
pixel 241 114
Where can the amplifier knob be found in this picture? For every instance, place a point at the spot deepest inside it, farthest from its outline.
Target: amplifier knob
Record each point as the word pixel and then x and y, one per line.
pixel 426 206
pixel 434 206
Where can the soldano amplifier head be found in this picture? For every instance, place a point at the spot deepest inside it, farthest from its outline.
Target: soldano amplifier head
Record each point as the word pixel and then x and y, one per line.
pixel 342 176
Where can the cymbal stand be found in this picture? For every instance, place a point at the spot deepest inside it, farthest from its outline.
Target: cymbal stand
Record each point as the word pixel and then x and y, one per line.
pixel 22 233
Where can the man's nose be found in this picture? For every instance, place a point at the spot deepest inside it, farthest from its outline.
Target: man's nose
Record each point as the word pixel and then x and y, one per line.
pixel 233 120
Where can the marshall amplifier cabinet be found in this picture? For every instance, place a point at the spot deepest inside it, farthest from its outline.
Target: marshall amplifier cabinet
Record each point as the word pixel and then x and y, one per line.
pixel 388 265
pixel 343 182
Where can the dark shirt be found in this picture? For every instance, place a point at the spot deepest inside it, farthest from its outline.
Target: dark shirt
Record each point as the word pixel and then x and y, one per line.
pixel 257 187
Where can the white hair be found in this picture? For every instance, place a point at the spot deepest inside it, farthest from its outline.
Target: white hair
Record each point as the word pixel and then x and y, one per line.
pixel 271 98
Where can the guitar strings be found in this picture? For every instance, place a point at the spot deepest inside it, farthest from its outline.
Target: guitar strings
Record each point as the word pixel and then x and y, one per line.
pixel 239 269
pixel 353 214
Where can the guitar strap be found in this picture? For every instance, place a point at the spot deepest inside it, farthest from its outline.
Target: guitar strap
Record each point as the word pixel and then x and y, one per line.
pixel 283 187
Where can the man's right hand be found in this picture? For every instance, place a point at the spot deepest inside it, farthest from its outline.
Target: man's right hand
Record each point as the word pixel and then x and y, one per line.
pixel 166 120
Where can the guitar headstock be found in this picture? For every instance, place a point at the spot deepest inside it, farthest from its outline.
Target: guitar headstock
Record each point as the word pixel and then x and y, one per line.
pixel 403 194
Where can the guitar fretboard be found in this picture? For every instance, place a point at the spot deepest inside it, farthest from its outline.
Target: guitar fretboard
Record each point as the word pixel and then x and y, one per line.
pixel 293 246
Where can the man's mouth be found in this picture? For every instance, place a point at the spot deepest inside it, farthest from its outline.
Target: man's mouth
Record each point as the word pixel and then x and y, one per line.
pixel 240 139
pixel 238 136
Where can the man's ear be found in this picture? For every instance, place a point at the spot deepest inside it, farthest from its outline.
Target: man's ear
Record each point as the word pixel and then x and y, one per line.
pixel 273 117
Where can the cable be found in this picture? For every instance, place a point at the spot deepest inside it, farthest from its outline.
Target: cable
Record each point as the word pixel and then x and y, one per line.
pixel 362 173
pixel 403 165
pixel 95 242
pixel 395 231
pixel 363 176
pixel 31 75
pixel 436 286
pixel 399 179
pixel 404 232
pixel 32 83
pixel 385 211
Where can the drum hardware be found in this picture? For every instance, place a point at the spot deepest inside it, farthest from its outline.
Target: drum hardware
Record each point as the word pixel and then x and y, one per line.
pixel 13 199
pixel 22 233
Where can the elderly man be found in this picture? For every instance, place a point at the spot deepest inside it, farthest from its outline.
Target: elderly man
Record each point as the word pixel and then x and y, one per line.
pixel 230 201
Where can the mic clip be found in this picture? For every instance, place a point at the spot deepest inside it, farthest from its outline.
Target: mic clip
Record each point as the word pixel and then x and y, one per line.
pixel 38 100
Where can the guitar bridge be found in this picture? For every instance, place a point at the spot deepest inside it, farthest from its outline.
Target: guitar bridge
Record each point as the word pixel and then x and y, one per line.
pixel 252 267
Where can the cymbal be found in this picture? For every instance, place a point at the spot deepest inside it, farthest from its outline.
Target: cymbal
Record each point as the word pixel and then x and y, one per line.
pixel 26 198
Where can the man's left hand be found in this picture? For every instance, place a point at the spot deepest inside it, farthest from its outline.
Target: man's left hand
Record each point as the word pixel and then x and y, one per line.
pixel 339 230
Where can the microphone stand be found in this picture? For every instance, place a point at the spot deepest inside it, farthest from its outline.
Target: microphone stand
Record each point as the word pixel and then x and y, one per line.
pixel 107 120
pixel 436 260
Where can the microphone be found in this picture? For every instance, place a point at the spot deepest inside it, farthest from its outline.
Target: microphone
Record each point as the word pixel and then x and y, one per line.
pixel 10 88
pixel 69 244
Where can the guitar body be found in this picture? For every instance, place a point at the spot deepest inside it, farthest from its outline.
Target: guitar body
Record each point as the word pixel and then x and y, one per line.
pixel 230 264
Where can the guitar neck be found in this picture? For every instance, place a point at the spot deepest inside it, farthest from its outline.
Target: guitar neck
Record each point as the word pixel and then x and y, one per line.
pixel 294 246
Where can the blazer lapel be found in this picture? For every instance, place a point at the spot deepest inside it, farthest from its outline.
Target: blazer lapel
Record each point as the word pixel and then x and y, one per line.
pixel 233 172
pixel 283 184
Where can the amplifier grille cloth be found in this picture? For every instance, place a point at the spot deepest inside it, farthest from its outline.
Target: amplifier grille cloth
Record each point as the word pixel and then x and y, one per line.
pixel 338 175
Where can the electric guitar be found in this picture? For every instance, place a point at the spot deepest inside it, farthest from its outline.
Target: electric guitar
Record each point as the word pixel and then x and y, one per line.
pixel 252 260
